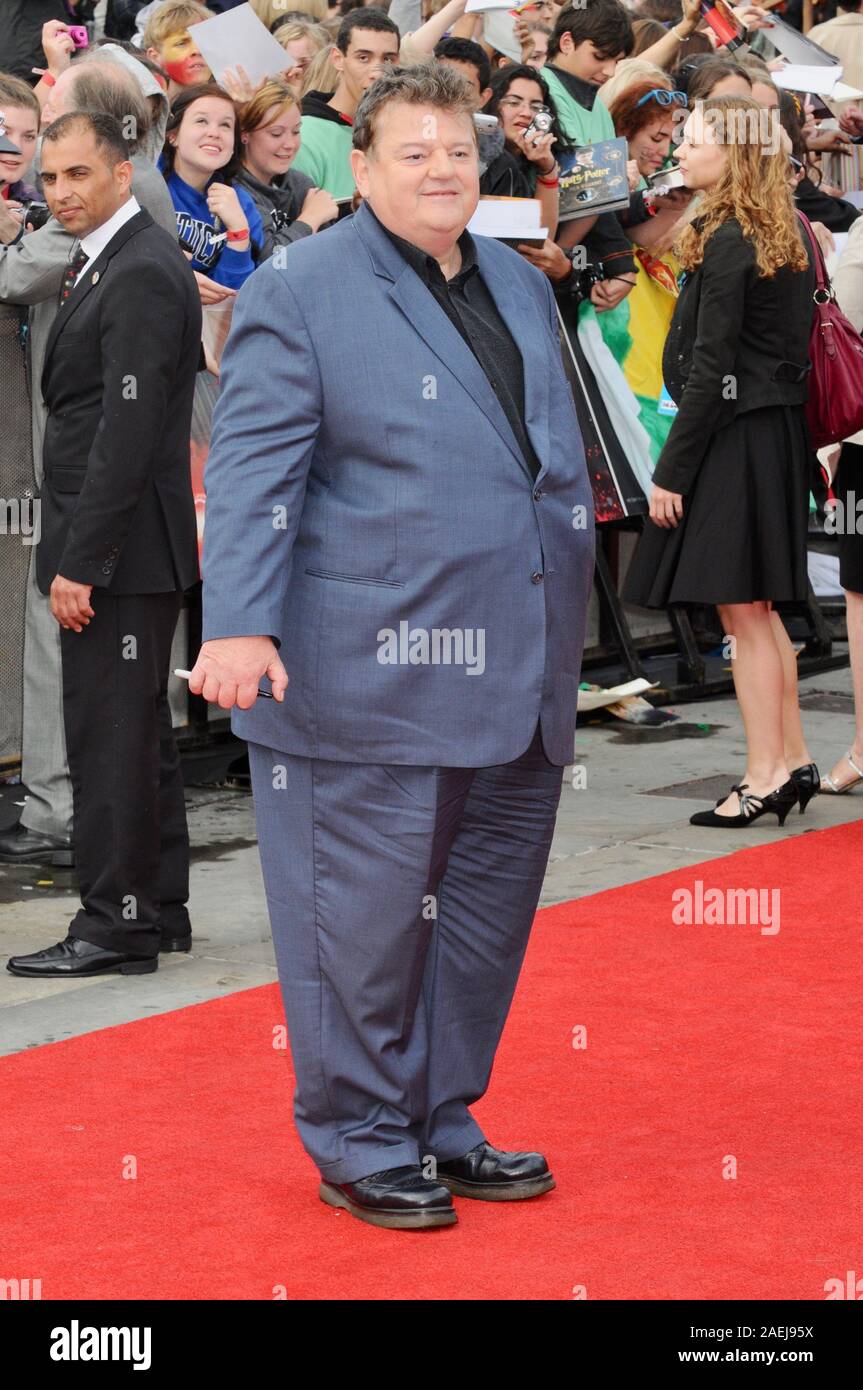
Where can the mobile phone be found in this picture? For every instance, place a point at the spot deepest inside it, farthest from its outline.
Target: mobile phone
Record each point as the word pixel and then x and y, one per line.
pixel 345 207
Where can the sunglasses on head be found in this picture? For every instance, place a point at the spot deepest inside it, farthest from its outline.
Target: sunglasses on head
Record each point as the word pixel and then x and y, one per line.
pixel 663 97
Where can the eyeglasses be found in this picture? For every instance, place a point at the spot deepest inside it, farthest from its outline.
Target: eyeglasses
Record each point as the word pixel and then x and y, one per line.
pixel 513 104
pixel 663 97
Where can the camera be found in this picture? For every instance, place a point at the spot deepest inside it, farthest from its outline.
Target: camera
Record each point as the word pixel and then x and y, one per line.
pixel 540 125
pixel 34 215
pixel 78 34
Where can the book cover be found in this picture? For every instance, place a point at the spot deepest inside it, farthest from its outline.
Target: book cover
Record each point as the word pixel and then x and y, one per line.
pixel 593 179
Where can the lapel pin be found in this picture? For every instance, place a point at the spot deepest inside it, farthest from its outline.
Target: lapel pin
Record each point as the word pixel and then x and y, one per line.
pixel 94 278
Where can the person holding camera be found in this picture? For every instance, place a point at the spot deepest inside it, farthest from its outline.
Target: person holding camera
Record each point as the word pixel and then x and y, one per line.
pixel 522 103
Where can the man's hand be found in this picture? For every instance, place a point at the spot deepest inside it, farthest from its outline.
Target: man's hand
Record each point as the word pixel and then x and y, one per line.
pixel 210 292
pixel 666 508
pixel 10 220
pixel 70 603
pixel 753 17
pixel 834 141
pixel 675 200
pixel 549 259
pixel 851 120
pixel 228 670
pixel 607 294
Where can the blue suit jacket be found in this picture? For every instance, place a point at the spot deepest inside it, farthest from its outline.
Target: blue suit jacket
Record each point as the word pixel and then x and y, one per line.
pixel 368 506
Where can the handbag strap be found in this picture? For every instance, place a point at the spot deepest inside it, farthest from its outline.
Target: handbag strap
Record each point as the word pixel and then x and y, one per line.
pixel 823 286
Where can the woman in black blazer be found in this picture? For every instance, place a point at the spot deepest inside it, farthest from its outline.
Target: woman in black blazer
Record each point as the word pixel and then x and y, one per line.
pixel 730 502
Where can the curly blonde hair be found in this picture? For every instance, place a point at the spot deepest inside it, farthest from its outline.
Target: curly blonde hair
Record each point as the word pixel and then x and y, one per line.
pixel 753 188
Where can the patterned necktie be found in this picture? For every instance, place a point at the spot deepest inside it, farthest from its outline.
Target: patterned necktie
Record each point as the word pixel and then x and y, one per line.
pixel 76 264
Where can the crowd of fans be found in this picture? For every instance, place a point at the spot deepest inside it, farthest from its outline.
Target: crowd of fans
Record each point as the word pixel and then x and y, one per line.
pixel 241 171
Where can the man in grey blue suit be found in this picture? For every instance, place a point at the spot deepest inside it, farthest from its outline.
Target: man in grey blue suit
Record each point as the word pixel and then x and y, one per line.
pixel 398 508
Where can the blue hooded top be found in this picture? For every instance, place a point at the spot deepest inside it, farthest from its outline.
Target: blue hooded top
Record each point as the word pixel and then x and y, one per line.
pixel 214 256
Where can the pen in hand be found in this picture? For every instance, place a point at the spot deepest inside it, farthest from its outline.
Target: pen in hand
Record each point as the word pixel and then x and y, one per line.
pixel 264 694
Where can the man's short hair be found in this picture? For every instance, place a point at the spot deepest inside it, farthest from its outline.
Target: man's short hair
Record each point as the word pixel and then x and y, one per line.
pixel 106 131
pixel 104 86
pixel 376 20
pixel 466 51
pixel 426 84
pixel 172 18
pixel 605 22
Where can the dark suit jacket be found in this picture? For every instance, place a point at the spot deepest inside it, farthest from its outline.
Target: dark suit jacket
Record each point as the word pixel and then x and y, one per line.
pixel 737 341
pixel 118 383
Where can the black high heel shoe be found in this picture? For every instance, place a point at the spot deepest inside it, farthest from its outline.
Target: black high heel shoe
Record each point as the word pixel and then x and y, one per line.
pixel 807 780
pixel 777 803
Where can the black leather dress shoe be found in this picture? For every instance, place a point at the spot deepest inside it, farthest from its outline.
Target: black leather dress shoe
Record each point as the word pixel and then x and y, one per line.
pixel 494 1175
pixel 396 1197
pixel 73 959
pixel 18 845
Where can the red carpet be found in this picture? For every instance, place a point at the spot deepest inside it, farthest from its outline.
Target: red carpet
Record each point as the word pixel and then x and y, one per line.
pixel 702 1042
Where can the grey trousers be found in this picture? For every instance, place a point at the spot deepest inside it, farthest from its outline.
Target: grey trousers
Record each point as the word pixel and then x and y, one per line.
pixel 401 900
pixel 44 768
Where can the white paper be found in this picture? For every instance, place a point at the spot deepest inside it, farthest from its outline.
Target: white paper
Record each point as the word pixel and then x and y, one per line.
pixel 796 47
pixel 601 698
pixel 797 78
pixel 513 218
pixel 498 31
pixel 239 39
pixel 842 92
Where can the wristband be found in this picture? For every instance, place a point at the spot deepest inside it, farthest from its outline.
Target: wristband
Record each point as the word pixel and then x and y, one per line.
pixel 49 79
pixel 679 37
pixel 549 183
pixel 238 236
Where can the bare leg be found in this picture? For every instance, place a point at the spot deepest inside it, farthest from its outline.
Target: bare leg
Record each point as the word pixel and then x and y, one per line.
pixel 843 773
pixel 796 751
pixel 759 681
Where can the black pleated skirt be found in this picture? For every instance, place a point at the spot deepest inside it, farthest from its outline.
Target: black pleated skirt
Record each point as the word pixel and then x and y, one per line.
pixel 742 537
pixel 848 487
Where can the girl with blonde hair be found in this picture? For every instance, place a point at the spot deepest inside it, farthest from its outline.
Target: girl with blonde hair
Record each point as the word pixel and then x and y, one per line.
pixel 730 503
pixel 288 202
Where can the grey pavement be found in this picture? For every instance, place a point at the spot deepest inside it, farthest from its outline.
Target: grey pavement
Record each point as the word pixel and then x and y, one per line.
pixel 629 821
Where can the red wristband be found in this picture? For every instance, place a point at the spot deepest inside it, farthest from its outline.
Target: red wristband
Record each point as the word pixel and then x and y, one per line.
pixel 238 236
pixel 49 79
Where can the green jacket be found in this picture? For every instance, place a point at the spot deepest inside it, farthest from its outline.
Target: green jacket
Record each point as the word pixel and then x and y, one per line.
pixel 583 125
pixel 325 146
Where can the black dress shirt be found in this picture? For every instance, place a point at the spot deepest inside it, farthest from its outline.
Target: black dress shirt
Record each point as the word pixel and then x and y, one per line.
pixel 468 304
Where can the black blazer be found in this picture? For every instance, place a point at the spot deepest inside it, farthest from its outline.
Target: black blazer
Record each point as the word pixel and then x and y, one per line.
pixel 119 379
pixel 737 341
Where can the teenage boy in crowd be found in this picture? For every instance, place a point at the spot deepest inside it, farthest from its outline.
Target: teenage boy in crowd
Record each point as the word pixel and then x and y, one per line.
pixel 366 42
pixel 169 42
pixel 585 47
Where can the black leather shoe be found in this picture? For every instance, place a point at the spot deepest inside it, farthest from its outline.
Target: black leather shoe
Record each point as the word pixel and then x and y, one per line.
pixel 777 803
pixel 73 958
pixel 18 845
pixel 399 1198
pixel 807 780
pixel 493 1175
